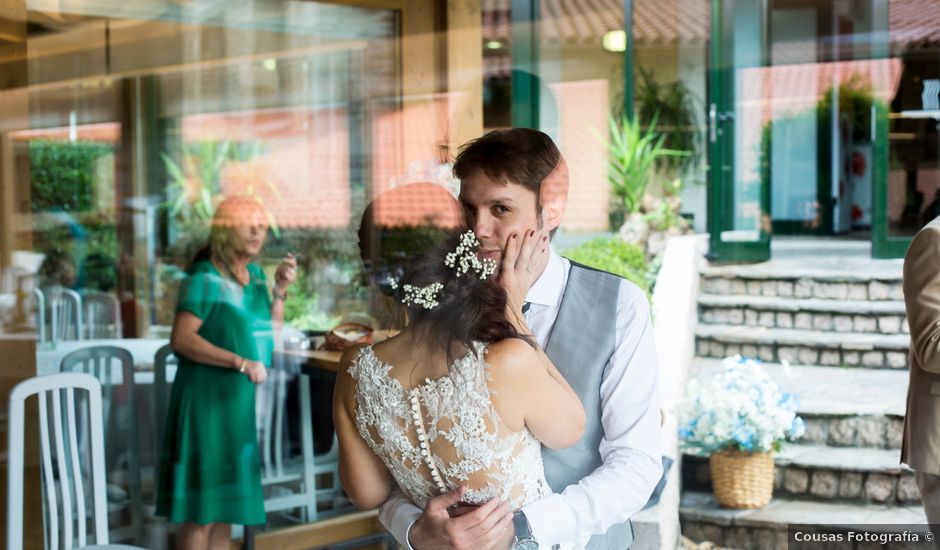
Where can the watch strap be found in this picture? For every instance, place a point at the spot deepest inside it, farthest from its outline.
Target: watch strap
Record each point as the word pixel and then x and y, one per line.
pixel 520 525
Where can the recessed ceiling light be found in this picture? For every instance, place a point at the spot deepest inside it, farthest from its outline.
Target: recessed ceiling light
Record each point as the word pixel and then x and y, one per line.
pixel 615 41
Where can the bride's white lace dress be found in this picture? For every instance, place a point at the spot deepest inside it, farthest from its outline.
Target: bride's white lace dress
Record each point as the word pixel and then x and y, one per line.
pixel 445 433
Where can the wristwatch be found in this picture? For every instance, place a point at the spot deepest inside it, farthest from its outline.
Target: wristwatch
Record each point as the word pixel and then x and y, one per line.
pixel 524 539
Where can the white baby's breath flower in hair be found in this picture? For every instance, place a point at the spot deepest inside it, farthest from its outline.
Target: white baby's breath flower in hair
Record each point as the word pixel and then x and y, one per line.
pixel 464 258
pixel 424 296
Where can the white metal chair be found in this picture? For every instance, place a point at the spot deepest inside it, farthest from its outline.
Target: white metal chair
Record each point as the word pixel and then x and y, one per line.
pixel 163 358
pixel 69 471
pixel 114 369
pixel 289 483
pixel 102 315
pixel 151 461
pixel 328 464
pixel 39 304
pixel 65 314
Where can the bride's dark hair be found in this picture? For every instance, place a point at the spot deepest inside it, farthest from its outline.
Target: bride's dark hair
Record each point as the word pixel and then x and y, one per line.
pixel 469 309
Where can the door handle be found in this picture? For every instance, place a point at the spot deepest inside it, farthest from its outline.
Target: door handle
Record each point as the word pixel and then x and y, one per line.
pixel 713 123
pixel 714 117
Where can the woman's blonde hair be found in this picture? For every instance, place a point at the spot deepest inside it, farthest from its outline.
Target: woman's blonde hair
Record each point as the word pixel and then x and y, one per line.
pixel 231 212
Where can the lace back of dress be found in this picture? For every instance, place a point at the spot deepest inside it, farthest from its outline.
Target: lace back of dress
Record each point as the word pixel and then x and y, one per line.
pixel 444 433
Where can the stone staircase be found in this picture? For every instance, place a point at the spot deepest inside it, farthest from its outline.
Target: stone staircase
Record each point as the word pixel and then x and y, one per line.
pixel 832 331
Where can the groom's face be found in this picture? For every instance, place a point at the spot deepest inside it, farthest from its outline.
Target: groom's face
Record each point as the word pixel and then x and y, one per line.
pixel 497 209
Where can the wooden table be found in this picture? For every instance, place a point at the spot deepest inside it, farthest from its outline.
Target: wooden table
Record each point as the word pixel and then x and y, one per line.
pixel 318 359
pixel 329 360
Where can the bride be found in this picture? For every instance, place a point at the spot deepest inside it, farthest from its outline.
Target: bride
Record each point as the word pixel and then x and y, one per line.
pixel 461 399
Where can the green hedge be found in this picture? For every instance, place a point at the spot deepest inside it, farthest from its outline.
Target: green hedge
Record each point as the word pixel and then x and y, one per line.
pixel 62 174
pixel 62 178
pixel 615 255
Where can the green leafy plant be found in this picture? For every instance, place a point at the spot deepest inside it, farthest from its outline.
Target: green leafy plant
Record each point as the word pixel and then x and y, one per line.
pixel 302 311
pixel 634 154
pixel 617 256
pixel 674 106
pixel 664 214
pixel 856 98
pixel 195 185
pixel 61 174
pixel 73 213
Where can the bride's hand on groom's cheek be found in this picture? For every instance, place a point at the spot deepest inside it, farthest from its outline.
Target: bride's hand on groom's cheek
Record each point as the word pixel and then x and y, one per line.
pixel 518 268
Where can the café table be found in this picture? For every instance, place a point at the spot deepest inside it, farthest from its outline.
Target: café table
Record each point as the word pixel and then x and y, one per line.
pixel 315 359
pixel 312 360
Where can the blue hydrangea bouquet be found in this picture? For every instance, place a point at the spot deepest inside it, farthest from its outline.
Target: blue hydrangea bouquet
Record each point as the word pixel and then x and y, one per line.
pixel 738 419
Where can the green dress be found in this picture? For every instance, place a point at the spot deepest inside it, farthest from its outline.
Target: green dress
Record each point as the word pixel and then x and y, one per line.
pixel 210 464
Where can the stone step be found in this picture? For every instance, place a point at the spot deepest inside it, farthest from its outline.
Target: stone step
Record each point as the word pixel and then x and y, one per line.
pixel 856 431
pixel 841 407
pixel 849 349
pixel 802 287
pixel 766 529
pixel 828 276
pixel 884 317
pixel 826 473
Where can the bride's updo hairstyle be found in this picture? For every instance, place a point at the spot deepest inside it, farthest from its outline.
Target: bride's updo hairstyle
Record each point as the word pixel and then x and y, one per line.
pixel 469 309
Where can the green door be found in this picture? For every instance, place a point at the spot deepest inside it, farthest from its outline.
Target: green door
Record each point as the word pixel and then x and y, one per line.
pixel 739 160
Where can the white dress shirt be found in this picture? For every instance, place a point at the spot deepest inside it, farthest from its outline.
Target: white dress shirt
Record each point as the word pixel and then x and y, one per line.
pixel 630 449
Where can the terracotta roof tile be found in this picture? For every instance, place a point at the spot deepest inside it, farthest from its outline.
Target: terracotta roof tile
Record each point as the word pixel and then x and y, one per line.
pixel 302 175
pixel 416 204
pixel 586 21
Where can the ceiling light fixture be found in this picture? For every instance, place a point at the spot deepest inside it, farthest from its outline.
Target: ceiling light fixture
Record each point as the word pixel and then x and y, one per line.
pixel 615 41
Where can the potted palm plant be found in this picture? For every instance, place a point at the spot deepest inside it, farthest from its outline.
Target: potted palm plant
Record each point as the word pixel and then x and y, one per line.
pixel 635 154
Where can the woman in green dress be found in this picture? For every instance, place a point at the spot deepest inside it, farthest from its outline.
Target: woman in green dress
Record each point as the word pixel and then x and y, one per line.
pixel 223 335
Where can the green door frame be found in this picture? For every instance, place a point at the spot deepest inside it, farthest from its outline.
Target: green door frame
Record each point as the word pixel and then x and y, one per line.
pixel 721 150
pixel 883 245
pixel 525 16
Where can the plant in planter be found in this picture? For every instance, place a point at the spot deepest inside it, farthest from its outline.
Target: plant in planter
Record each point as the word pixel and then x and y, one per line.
pixel 739 418
pixel 639 191
pixel 195 185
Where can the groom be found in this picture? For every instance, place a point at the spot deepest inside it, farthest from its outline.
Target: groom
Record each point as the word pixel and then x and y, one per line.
pixel 596 328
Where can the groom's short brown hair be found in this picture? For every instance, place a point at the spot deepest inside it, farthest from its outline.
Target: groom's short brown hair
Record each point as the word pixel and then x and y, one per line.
pixel 518 155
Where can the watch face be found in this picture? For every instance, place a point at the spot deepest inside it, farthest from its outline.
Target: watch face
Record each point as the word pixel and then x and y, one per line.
pixel 525 544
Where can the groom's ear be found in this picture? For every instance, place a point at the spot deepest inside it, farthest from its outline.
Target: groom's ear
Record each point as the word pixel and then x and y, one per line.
pixel 553 196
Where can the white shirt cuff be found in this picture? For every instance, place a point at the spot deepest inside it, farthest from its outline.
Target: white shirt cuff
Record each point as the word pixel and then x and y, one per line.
pixel 398 517
pixel 552 521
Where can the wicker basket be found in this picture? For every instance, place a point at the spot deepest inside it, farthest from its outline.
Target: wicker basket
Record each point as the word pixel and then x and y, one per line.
pixel 742 480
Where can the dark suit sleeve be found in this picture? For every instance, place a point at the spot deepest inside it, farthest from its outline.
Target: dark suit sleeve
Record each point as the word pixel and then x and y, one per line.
pixel 922 298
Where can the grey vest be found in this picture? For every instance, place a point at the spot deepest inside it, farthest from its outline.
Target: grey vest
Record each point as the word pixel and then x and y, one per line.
pixel 581 343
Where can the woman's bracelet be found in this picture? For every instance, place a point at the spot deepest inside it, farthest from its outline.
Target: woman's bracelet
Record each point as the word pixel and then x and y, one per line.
pixel 282 296
pixel 241 365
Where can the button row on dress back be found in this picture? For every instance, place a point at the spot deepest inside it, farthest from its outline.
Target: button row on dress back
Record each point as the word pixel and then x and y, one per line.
pixel 423 441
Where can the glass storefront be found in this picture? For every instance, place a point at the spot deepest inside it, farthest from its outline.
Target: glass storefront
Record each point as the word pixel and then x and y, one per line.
pixel 123 125
pixel 820 123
